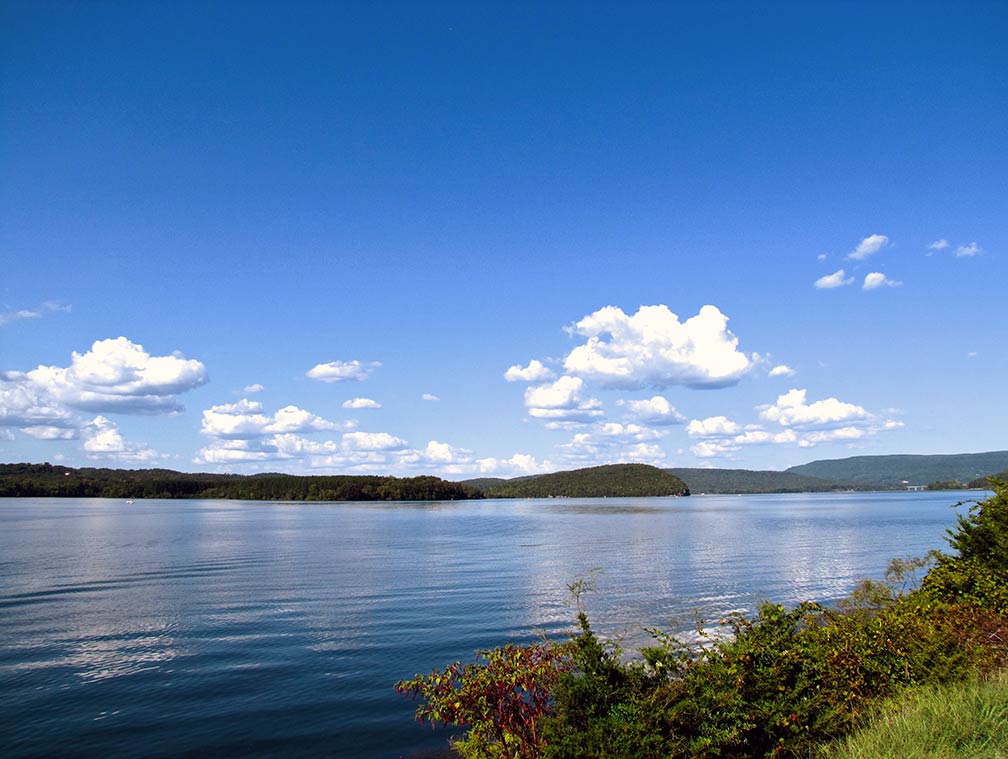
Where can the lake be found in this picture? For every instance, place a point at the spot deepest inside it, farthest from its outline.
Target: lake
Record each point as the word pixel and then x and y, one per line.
pixel 255 629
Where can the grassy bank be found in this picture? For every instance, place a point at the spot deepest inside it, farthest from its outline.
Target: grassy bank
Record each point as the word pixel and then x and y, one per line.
pixel 967 720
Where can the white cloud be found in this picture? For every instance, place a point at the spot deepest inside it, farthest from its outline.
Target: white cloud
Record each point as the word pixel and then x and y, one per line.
pixel 782 370
pixel 37 312
pixel 562 401
pixel 342 371
pixel 50 433
pixel 256 388
pixel 246 420
pixel 355 403
pixel 518 464
pixel 119 376
pixel 25 405
pixel 821 257
pixel 372 441
pixel 653 348
pixel 868 246
pixel 429 397
pixel 655 410
pixel 722 446
pixel 877 279
pixel 713 426
pixel 706 449
pixel 102 439
pixel 968 251
pixel 791 410
pixel 939 245
pixel 534 372
pixel 838 278
pixel 830 436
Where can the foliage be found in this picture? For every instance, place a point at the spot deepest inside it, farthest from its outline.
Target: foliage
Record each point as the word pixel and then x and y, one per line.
pixel 612 481
pixel 946 485
pixel 40 480
pixel 982 535
pixel 502 698
pixel 752 481
pixel 967 720
pixel 891 471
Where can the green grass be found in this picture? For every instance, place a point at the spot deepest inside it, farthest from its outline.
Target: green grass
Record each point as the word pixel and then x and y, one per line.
pixel 960 721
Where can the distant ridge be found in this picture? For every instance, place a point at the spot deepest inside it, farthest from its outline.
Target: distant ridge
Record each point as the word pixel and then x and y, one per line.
pixel 734 481
pixel 610 481
pixel 901 470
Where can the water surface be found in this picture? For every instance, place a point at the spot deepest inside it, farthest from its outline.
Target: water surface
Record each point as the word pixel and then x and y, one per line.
pixel 256 629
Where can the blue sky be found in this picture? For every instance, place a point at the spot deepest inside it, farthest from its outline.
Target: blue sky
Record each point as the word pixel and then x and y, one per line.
pixel 334 238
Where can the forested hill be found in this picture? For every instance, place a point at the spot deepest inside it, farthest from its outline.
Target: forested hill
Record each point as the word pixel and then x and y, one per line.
pixel 49 480
pixel 611 481
pixel 752 481
pixel 895 471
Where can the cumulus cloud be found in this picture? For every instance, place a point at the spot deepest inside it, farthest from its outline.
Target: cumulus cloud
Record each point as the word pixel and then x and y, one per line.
pixel 877 279
pixel 968 251
pixel 652 348
pixel 939 245
pixel 782 370
pixel 791 410
pixel 429 397
pixel 838 278
pixel 342 371
pixel 116 375
pixel 102 440
pixel 355 403
pixel 868 247
pixel 534 372
pixel 25 405
pixel 518 464
pixel 728 444
pixel 256 388
pixel 655 411
pixel 562 401
pixel 119 376
pixel 246 420
pixel 712 426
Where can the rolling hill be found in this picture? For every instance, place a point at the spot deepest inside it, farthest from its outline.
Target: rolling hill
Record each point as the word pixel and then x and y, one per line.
pixel 611 481
pixel 897 471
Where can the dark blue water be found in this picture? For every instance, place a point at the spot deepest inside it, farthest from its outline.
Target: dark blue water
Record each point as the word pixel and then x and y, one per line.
pixel 221 628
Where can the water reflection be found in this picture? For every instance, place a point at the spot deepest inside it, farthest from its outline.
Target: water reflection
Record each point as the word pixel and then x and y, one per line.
pixel 217 627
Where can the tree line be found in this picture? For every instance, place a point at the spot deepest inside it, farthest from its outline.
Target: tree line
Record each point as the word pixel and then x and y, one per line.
pixel 47 480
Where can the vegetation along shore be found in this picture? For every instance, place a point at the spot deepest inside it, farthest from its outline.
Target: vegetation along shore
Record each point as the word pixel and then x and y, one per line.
pixel 862 680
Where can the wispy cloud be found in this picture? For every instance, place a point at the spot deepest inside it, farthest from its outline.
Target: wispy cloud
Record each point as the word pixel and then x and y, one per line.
pixel 47 307
pixel 968 251
pixel 868 247
pixel 355 403
pixel 838 278
pixel 342 371
pixel 939 244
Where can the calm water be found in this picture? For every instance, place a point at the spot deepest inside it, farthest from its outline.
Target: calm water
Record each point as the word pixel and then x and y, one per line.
pixel 224 628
